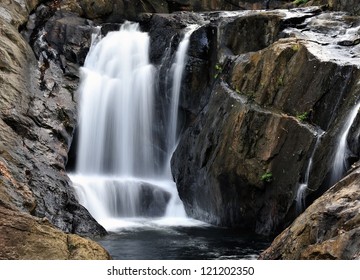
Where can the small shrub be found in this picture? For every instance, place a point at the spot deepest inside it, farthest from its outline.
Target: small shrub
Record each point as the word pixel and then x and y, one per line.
pixel 267 177
pixel 295 47
pixel 218 69
pixel 303 116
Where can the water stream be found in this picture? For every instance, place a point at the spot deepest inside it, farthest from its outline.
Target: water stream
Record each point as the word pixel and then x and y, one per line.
pixel 117 177
pixel 340 164
pixel 303 186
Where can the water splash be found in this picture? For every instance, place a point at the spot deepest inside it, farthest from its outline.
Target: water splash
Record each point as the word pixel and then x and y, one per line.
pixel 342 153
pixel 117 176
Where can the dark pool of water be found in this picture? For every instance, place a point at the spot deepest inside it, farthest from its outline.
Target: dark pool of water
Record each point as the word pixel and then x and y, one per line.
pixel 182 243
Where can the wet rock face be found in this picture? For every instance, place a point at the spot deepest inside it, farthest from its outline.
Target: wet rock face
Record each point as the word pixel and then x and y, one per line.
pixel 351 6
pixel 244 155
pixel 120 10
pixel 70 36
pixel 114 11
pixel 225 5
pixel 328 229
pixel 88 8
pixel 250 33
pixel 38 117
pixel 154 201
pixel 241 163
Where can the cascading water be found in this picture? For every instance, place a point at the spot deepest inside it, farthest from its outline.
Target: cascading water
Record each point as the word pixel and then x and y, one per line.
pixel 116 107
pixel 340 164
pixel 301 192
pixel 116 173
pixel 176 73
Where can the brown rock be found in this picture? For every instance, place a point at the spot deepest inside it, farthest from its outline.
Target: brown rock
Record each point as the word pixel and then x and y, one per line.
pixel 114 11
pixel 328 229
pixel 26 237
pixel 89 8
pixel 37 119
pixel 351 6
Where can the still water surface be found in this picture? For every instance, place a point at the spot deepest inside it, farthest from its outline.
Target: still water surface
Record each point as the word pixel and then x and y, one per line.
pixel 157 242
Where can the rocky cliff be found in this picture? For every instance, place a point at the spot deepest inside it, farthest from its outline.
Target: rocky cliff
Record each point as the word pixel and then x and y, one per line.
pixel 265 96
pixel 37 119
pixel 278 102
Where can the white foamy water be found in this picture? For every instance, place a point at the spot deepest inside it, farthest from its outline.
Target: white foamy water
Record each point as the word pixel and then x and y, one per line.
pixel 301 192
pixel 117 178
pixel 340 164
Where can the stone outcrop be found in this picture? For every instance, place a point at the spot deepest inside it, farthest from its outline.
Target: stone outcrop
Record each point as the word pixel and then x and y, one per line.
pixel 16 13
pixel 37 120
pixel 328 229
pixel 223 157
pixel 351 6
pixel 119 10
pixel 243 157
pixel 26 237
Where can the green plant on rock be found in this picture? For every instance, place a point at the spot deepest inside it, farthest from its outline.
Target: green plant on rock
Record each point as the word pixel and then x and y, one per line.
pixel 280 82
pixel 267 177
pixel 296 47
pixel 218 69
pixel 303 116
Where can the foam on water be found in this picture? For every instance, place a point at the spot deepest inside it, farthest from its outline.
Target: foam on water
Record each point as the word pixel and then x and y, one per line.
pixel 117 177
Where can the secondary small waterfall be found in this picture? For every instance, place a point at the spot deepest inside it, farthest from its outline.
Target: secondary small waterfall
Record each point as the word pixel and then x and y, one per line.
pixel 176 73
pixel 301 192
pixel 117 175
pixel 340 164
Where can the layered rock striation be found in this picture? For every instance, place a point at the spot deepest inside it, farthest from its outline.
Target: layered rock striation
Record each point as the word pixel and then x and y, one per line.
pixel 37 120
pixel 328 229
pixel 280 90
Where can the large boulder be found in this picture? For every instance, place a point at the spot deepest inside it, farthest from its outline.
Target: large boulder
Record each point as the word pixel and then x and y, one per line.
pixel 26 237
pixel 328 229
pixel 280 91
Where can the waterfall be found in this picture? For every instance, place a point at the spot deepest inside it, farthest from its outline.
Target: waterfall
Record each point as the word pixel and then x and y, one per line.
pixel 301 192
pixel 116 106
pixel 117 175
pixel 176 73
pixel 340 164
